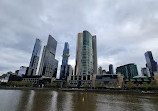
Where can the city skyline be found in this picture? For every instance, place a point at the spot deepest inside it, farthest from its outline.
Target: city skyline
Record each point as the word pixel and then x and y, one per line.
pixel 122 37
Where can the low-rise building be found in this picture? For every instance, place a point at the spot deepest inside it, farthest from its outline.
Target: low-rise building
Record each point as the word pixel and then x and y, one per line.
pixel 37 79
pixel 80 80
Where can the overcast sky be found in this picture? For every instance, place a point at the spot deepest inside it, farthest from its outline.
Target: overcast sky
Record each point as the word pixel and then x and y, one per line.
pixel 125 29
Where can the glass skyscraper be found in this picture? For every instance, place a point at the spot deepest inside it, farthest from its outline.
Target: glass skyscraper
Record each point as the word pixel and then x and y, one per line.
pixel 151 64
pixel 35 58
pixel 64 71
pixel 48 63
pixel 86 55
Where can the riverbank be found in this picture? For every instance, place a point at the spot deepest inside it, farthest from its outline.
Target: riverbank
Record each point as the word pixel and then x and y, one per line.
pixel 83 90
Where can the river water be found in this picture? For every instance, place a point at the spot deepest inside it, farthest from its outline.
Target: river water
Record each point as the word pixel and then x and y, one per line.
pixel 48 100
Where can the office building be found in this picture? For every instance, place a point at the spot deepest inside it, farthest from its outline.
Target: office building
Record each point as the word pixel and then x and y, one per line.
pixel 111 69
pixel 86 54
pixel 70 70
pixel 64 67
pixel 104 72
pixel 145 72
pixel 128 71
pixel 150 63
pixel 23 71
pixel 78 53
pixel 48 63
pixel 100 71
pixel 35 58
pixel 55 68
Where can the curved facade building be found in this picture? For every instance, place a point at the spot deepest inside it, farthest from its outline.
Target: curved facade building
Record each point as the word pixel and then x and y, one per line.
pixel 86 55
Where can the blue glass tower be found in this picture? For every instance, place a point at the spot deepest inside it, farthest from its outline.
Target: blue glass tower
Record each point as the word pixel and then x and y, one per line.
pixel 64 67
pixel 35 58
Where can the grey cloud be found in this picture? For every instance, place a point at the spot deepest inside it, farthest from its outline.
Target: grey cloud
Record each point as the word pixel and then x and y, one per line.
pixel 125 29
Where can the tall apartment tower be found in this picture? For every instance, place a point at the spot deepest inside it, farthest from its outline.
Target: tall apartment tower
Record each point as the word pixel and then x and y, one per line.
pixel 35 58
pixel 86 54
pixel 49 64
pixel 64 67
pixel 151 64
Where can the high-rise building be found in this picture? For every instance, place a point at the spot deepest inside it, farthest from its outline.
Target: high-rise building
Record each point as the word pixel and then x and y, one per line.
pixel 64 67
pixel 145 72
pixel 55 68
pixel 128 71
pixel 48 63
pixel 70 70
pixel 23 71
pixel 78 53
pixel 35 58
pixel 100 71
pixel 86 55
pixel 111 69
pixel 151 64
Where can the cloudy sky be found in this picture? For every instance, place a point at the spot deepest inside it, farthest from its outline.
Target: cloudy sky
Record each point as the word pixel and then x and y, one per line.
pixel 125 29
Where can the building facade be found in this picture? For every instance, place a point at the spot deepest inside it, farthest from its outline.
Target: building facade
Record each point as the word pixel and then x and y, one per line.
pixel 150 63
pixel 64 67
pixel 100 70
pixel 128 71
pixel 23 71
pixel 145 72
pixel 86 55
pixel 48 62
pixel 35 58
pixel 111 69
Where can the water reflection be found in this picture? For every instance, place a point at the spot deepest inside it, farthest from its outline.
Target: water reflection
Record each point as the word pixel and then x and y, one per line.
pixel 25 101
pixel 48 100
pixel 88 105
pixel 41 100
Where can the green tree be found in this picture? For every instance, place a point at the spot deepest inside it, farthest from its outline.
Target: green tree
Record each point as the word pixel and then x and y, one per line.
pixel 52 85
pixel 145 86
pixel 154 85
pixel 85 85
pixel 115 85
pixel 19 83
pixel 97 84
pixel 130 85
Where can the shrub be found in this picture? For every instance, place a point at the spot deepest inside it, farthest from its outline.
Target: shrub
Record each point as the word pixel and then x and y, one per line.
pixel 19 83
pixel 145 86
pixel 154 85
pixel 97 84
pixel 130 85
pixel 85 85
pixel 53 85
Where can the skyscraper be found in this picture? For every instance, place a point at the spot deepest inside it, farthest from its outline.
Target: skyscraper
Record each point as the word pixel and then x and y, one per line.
pixel 48 63
pixel 35 58
pixel 78 53
pixel 145 72
pixel 111 69
pixel 64 67
pixel 128 71
pixel 151 64
pixel 86 55
pixel 100 70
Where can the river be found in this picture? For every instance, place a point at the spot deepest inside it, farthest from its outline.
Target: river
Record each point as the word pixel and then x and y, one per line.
pixel 48 100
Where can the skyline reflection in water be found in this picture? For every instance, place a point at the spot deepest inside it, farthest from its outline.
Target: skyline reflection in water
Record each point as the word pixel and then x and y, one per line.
pixel 48 100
